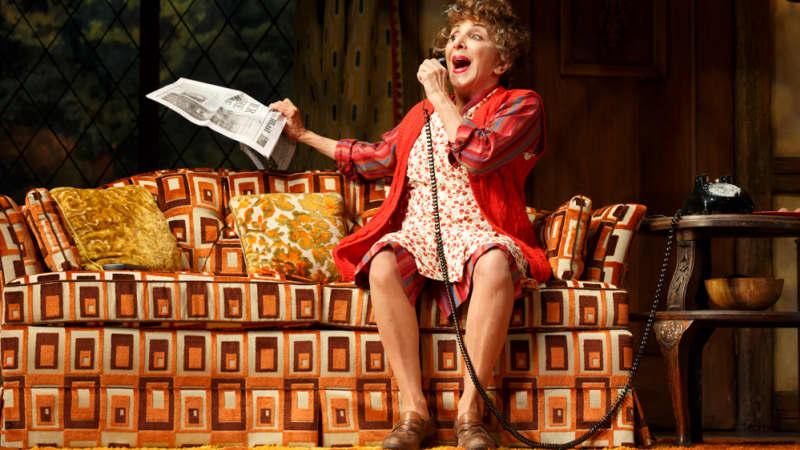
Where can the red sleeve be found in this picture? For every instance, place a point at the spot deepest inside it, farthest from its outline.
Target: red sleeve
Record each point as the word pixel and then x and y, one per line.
pixel 514 128
pixel 367 160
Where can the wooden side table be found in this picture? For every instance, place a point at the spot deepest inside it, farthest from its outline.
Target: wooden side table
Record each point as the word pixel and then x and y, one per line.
pixel 683 329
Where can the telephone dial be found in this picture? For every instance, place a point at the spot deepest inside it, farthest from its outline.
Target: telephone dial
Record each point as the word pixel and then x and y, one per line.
pixel 718 196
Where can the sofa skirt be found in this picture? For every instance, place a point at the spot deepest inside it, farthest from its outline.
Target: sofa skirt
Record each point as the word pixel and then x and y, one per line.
pixel 89 387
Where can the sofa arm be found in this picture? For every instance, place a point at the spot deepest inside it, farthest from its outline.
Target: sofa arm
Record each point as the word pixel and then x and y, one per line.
pixel 19 255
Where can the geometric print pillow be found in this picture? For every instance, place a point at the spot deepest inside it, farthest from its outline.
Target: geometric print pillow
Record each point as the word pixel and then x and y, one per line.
pixel 291 235
pixel 564 234
pixel 609 259
pixel 47 223
pixel 601 226
pixel 18 253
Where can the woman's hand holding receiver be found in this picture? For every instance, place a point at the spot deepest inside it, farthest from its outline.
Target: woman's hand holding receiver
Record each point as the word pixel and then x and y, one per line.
pixel 433 78
pixel 296 130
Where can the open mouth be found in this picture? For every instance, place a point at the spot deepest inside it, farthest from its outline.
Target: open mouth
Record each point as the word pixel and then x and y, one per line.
pixel 460 63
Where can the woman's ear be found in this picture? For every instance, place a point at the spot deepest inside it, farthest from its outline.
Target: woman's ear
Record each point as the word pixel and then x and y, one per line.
pixel 501 68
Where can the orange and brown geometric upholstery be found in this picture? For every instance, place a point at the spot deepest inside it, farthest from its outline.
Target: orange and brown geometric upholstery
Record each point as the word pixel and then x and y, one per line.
pixel 47 223
pixel 552 386
pixel 165 387
pixel 169 387
pixel 19 255
pixel 616 226
pixel 213 356
pixel 564 233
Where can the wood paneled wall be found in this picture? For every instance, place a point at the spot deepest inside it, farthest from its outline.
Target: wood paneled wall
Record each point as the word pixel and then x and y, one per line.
pixel 622 139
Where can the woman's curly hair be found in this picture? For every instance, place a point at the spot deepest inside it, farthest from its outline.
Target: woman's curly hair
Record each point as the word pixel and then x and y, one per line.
pixel 508 34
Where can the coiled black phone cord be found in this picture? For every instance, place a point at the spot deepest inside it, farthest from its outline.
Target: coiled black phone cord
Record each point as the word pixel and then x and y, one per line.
pixel 468 362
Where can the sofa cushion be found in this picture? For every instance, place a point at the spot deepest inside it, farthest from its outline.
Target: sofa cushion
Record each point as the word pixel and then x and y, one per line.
pixel 578 304
pixel 47 223
pixel 290 234
pixel 118 225
pixel 178 299
pixel 556 304
pixel 610 265
pixel 345 305
pixel 190 299
pixel 19 255
pixel 564 234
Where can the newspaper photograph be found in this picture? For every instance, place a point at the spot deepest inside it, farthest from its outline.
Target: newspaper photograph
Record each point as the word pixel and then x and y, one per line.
pixel 231 113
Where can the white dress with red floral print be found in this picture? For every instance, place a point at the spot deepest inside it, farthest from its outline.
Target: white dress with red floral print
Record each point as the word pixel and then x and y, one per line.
pixel 464 229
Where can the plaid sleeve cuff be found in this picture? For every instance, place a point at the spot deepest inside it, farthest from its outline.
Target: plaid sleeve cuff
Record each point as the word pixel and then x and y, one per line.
pixel 343 156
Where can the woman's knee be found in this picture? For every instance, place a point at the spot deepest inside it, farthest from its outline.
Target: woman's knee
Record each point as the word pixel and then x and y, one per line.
pixel 492 268
pixel 383 269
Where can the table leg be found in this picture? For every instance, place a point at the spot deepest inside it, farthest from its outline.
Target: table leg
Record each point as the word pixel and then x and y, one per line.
pixel 681 343
pixel 691 268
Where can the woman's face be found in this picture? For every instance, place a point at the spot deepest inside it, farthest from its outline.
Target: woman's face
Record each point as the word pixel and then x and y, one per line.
pixel 473 61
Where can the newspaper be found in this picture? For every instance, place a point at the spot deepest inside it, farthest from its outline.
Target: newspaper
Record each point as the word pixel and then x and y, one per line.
pixel 231 113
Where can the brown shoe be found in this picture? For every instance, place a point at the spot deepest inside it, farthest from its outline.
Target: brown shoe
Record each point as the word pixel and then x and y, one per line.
pixel 410 432
pixel 471 432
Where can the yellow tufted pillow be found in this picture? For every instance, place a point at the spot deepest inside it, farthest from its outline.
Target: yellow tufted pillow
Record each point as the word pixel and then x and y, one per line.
pixel 290 234
pixel 118 225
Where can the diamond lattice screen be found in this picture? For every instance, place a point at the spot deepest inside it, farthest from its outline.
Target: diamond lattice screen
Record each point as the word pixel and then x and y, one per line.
pixel 69 83
pixel 244 45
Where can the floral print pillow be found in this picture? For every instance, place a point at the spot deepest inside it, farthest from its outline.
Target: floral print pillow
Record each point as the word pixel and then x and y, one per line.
pixel 290 234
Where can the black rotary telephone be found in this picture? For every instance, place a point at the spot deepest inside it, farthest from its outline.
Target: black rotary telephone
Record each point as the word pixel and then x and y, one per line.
pixel 718 196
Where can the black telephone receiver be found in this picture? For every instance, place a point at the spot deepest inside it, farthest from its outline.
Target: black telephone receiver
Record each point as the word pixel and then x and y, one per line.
pixel 718 196
pixel 443 62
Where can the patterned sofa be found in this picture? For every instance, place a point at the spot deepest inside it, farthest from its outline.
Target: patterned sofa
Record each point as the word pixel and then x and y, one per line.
pixel 210 355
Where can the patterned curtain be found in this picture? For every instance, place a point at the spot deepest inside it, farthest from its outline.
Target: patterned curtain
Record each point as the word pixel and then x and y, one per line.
pixel 347 71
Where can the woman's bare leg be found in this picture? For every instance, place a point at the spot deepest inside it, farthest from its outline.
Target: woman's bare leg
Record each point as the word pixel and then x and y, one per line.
pixel 398 328
pixel 490 308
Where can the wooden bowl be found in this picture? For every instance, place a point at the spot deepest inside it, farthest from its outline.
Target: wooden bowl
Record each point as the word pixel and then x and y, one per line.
pixel 751 293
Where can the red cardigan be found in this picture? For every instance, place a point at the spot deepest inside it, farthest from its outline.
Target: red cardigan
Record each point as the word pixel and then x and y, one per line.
pixel 500 194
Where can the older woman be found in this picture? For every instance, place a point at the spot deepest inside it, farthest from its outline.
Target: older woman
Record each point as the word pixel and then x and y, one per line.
pixel 485 139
